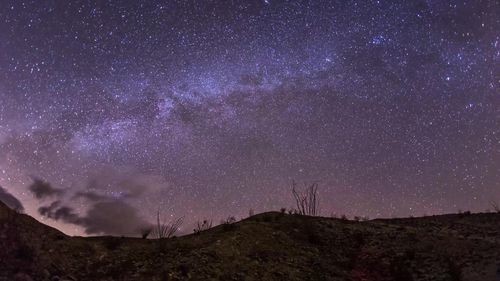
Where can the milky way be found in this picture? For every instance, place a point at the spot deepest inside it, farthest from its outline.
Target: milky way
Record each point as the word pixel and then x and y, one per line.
pixel 206 109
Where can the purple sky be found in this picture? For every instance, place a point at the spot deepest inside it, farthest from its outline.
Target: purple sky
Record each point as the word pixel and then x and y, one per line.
pixel 205 109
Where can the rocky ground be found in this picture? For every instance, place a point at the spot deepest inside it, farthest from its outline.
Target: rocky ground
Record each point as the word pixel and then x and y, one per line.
pixel 268 246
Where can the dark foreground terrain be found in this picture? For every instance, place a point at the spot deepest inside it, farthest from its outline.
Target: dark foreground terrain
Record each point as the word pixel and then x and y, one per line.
pixel 268 246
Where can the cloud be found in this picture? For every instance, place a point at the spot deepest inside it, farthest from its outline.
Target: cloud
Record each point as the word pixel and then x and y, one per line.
pixel 9 200
pixel 42 189
pixel 106 216
pixel 57 212
pixel 113 217
pixel 89 195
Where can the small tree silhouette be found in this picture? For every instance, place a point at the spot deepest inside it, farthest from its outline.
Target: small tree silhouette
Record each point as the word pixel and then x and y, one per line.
pixel 202 226
pixel 165 230
pixel 306 201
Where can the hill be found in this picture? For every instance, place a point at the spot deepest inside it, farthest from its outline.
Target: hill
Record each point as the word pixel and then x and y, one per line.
pixel 268 246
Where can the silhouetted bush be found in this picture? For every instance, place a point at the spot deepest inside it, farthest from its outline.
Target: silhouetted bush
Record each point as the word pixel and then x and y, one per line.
pixel 306 201
pixel 229 220
pixel 228 223
pixel 202 226
pixel 145 232
pixel 164 230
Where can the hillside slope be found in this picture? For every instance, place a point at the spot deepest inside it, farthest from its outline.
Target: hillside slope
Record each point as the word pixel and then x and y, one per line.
pixel 268 246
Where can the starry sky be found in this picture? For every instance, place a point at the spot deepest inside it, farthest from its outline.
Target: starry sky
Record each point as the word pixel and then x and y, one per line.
pixel 112 110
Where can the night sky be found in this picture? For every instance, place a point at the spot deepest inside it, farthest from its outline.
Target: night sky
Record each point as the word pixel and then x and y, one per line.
pixel 111 110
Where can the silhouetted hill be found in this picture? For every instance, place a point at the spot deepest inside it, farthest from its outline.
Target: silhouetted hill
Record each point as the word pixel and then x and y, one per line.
pixel 268 246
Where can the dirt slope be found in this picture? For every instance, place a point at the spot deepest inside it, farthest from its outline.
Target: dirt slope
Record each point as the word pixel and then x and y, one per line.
pixel 268 246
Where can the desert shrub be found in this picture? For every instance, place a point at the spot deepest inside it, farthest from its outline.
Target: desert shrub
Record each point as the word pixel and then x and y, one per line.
pixel 228 220
pixel 228 223
pixel 165 230
pixel 145 231
pixel 306 201
pixel 202 226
